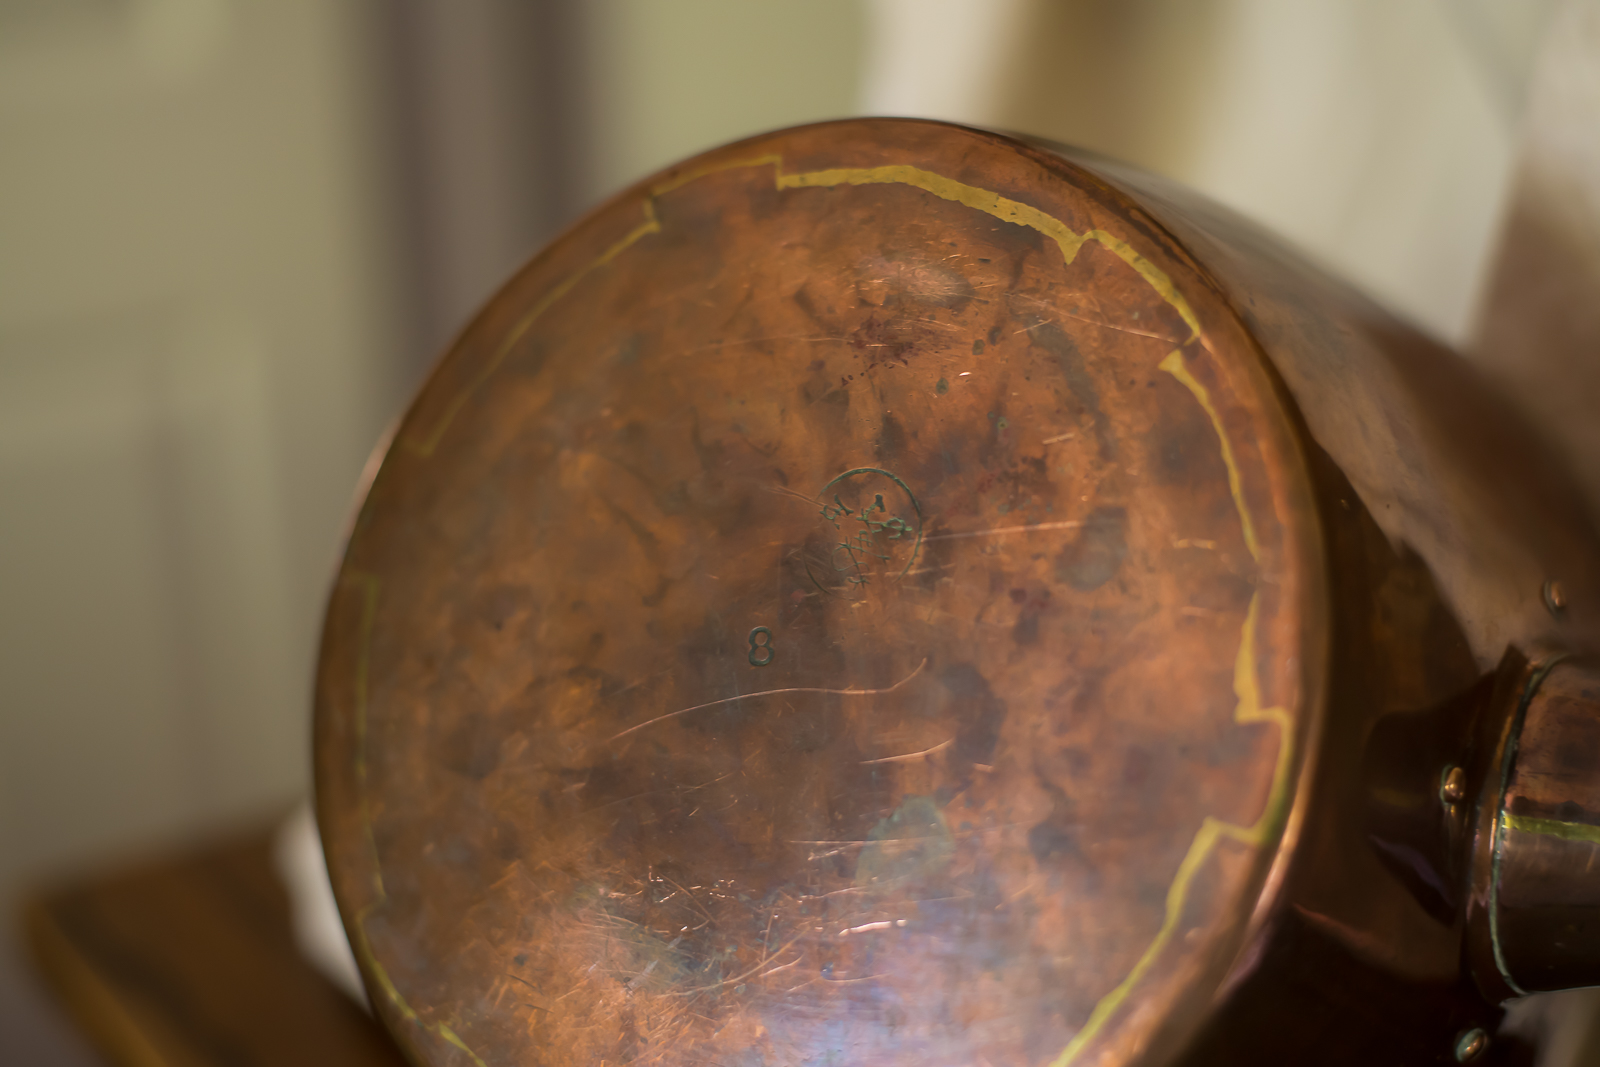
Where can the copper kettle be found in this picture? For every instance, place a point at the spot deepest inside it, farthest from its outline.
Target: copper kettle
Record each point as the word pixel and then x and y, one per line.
pixel 886 592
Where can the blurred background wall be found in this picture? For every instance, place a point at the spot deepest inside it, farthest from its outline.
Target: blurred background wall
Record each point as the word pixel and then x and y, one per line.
pixel 198 315
pixel 234 233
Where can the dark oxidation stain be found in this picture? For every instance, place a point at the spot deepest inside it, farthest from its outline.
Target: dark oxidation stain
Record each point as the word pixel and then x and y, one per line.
pixel 1053 339
pixel 891 439
pixel 1182 445
pixel 658 594
pixel 887 341
pixel 628 351
pixel 710 453
pixel 502 602
pixel 641 533
pixel 1052 838
pixel 1136 767
pixel 669 493
pixel 1029 607
pixel 979 710
pixel 828 403
pixel 1056 837
pixel 1092 559
pixel 470 750
pixel 495 835
pixel 802 300
pixel 1006 488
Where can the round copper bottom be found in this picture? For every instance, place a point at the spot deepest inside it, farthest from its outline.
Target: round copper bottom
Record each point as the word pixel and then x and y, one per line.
pixel 835 606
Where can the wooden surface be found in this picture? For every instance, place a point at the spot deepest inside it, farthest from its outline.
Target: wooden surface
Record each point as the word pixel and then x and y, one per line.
pixel 189 962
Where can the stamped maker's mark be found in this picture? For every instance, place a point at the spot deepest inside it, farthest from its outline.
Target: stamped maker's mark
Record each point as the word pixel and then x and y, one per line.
pixel 869 530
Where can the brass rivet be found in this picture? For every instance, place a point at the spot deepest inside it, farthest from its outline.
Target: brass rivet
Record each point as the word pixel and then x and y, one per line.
pixel 1470 1045
pixel 1555 597
pixel 1453 786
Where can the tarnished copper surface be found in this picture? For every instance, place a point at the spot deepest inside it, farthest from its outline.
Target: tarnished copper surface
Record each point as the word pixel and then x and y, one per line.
pixel 1444 522
pixel 851 600
pixel 887 593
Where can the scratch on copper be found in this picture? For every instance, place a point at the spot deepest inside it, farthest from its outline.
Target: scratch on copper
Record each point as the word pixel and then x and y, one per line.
pixel 737 978
pixel 909 756
pixel 1057 309
pixel 783 490
pixel 867 928
pixel 772 692
pixel 1070 524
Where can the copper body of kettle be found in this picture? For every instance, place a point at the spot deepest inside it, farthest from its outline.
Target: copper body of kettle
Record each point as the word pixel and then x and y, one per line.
pixel 889 593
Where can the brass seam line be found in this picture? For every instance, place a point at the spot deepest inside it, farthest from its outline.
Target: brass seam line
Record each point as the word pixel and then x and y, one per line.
pixel 1566 831
pixel 1248 710
pixel 1211 832
pixel 362 946
pixel 985 200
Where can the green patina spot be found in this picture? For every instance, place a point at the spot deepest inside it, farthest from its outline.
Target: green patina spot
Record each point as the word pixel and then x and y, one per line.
pixel 913 842
pixel 649 963
pixel 942 388
pixel 977 348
